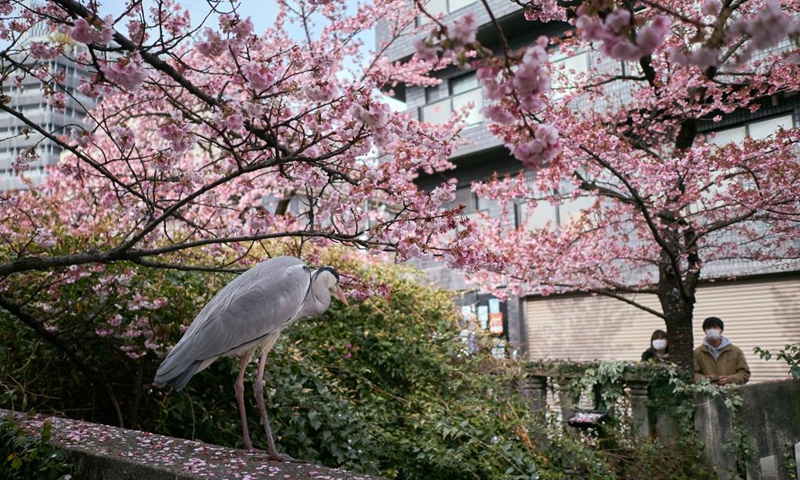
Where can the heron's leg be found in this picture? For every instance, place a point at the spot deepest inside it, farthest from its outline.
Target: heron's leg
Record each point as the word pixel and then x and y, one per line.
pixel 239 387
pixel 258 386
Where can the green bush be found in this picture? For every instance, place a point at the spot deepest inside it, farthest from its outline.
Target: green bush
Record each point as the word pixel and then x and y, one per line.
pixel 29 457
pixel 790 354
pixel 383 386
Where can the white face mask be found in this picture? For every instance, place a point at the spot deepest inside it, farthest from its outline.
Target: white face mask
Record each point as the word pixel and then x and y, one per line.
pixel 713 334
pixel 659 344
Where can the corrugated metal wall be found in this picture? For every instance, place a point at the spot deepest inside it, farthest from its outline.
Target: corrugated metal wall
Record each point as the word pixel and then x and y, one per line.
pixel 764 313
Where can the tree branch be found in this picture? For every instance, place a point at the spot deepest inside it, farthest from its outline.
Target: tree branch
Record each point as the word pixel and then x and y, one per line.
pixel 83 368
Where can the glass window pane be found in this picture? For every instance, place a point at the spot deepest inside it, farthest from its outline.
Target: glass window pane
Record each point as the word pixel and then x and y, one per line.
pixel 724 137
pixel 437 113
pixel 460 101
pixel 565 70
pixel 464 83
pixel 433 93
pixel 459 4
pixel 542 215
pixel 464 196
pixel 764 128
pixel 573 209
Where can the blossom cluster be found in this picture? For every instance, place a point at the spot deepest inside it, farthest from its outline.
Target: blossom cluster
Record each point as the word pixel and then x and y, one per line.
pixel 616 33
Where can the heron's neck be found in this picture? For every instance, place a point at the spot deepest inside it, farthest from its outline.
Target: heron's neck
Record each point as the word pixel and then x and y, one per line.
pixel 318 300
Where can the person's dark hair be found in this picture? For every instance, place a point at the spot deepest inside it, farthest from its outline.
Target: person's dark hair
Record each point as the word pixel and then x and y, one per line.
pixel 711 322
pixel 658 334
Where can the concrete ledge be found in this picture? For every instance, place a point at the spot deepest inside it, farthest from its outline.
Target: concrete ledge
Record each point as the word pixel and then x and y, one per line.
pixel 101 452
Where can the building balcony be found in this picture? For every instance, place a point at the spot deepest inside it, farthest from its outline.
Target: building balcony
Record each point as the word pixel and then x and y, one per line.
pixel 508 13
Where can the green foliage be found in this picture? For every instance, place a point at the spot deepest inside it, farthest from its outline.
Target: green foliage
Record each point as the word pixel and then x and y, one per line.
pixel 613 452
pixel 383 386
pixel 790 460
pixel 110 385
pixel 789 354
pixel 29 457
pixel 607 377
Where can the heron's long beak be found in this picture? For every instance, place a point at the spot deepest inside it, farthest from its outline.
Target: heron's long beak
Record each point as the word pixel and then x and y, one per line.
pixel 340 294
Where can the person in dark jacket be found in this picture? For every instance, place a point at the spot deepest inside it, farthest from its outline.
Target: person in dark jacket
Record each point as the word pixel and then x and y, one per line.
pixel 717 359
pixel 659 348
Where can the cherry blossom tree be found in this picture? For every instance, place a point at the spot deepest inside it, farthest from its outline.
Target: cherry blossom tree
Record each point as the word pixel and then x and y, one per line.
pixel 662 201
pixel 212 145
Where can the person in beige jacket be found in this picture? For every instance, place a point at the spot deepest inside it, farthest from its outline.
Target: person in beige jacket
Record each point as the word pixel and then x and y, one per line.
pixel 717 359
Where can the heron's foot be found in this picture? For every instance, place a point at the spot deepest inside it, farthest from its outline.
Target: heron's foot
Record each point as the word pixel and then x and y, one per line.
pixel 282 457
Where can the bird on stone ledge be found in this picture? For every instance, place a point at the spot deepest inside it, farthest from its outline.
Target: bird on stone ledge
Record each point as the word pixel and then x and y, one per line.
pixel 249 314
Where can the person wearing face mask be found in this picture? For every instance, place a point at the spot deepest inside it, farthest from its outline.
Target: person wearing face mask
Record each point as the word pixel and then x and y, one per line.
pixel 659 350
pixel 717 359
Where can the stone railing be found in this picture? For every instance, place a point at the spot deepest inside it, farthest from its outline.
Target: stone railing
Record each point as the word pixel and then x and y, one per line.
pixel 761 436
pixel 646 423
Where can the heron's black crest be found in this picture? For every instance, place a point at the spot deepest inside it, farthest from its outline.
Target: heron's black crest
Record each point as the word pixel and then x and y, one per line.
pixel 329 269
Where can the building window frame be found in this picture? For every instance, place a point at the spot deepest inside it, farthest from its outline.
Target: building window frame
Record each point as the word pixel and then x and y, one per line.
pixel 746 128
pixel 462 90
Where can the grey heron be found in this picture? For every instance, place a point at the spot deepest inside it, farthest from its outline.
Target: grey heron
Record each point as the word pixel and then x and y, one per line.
pixel 247 314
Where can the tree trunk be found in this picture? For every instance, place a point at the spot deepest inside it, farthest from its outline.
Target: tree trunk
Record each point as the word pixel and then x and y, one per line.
pixel 677 302
pixel 678 318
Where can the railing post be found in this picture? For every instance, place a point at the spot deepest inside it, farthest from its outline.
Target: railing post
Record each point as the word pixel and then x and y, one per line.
pixel 713 422
pixel 568 402
pixel 534 388
pixel 539 398
pixel 640 414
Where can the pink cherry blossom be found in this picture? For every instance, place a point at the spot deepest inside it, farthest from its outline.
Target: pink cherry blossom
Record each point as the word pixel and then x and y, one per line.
pixel 465 28
pixel 126 72
pixel 206 148
pixel 83 32
pixel 426 52
pixel 44 51
pixel 616 41
pixel 259 76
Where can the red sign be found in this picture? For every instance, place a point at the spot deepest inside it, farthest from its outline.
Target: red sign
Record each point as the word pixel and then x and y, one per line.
pixel 496 323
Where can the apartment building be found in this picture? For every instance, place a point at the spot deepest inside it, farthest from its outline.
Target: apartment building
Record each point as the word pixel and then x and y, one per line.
pixel 17 137
pixel 760 308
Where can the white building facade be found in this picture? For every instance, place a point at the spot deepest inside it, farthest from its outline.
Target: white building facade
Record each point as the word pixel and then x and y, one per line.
pixel 19 138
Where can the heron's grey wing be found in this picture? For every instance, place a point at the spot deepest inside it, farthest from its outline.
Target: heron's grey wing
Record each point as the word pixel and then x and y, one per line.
pixel 261 308
pixel 254 305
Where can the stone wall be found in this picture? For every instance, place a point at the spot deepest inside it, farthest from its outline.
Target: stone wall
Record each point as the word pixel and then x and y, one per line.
pixel 769 417
pixel 761 436
pixel 101 452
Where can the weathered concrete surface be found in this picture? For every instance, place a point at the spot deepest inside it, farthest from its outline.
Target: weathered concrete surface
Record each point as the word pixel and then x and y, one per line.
pixel 714 425
pixel 770 414
pixel 101 452
pixel 770 419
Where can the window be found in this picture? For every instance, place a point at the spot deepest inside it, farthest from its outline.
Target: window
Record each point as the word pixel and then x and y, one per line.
pixel 724 137
pixel 463 84
pixel 438 112
pixel 539 216
pixel 463 91
pixel 764 128
pixel 472 97
pixel 565 69
pixel 436 7
pixel 432 94
pixel 464 196
pixel 758 130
